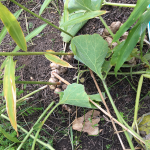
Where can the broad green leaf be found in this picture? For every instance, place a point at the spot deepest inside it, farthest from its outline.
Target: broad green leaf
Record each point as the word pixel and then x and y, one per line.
pixel 75 95
pixel 9 89
pixel 73 29
pixel 57 60
pixel 4 30
pixel 132 39
pixel 32 35
pixel 44 5
pixel 137 12
pixel 13 27
pixel 88 5
pixel 66 13
pixel 8 136
pixel 91 50
pixel 84 17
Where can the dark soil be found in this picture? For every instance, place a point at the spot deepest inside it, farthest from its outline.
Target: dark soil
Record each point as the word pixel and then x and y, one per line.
pixel 37 69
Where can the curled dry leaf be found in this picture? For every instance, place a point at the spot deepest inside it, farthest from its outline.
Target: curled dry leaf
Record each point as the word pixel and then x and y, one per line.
pixel 88 123
pixel 57 90
pixel 53 80
pixel 106 33
pixel 63 70
pixel 125 35
pixel 54 66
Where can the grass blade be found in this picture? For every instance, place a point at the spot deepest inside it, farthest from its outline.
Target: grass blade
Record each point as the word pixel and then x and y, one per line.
pixel 138 11
pixel 13 27
pixel 4 30
pixel 86 16
pixel 31 35
pixel 45 4
pixel 9 89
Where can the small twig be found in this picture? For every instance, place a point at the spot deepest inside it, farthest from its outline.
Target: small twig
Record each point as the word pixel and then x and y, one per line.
pixel 111 118
pixel 100 93
pixel 60 78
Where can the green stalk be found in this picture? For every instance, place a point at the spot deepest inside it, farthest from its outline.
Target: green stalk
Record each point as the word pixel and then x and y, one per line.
pixel 31 53
pixel 41 18
pixel 121 120
pixel 31 130
pixel 34 82
pixel 119 4
pixel 127 73
pixel 108 29
pixel 118 115
pixel 37 133
pixel 25 131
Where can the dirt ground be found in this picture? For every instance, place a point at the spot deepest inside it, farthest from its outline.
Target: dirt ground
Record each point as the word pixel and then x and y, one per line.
pixel 37 68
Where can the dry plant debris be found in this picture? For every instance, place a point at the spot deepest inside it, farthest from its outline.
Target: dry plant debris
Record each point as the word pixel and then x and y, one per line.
pixel 88 123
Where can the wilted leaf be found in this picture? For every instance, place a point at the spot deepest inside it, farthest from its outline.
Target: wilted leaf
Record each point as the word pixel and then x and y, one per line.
pixel 8 136
pixel 137 12
pixel 75 95
pixel 88 123
pixel 13 27
pixel 57 60
pixel 91 50
pixel 9 89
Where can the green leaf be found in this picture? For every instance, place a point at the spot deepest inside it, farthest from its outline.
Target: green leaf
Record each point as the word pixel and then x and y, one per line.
pixel 38 126
pixel 57 60
pixel 44 5
pixel 73 29
pixel 13 27
pixel 88 5
pixel 4 30
pixel 137 12
pixel 96 97
pixel 8 136
pixel 75 95
pixel 32 35
pixel 91 50
pixel 9 89
pixel 132 39
pixel 85 16
pixel 147 56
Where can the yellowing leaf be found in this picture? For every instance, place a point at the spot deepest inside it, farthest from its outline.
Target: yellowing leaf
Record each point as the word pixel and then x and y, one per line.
pixel 57 60
pixel 9 89
pixel 13 27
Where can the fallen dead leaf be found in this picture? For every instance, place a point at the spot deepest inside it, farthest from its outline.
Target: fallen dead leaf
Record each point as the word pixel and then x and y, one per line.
pixel 88 123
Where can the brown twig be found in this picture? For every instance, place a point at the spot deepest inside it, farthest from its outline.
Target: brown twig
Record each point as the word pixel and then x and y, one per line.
pixel 111 118
pixel 100 93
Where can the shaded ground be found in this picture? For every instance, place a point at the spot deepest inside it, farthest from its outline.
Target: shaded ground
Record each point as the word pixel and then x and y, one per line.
pixel 37 69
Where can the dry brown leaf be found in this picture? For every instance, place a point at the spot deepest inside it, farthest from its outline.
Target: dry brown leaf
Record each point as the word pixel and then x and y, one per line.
pixel 83 123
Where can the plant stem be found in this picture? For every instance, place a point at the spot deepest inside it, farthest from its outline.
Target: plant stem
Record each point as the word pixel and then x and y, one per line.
pixel 117 113
pixel 127 73
pixel 41 18
pixel 34 82
pixel 37 133
pixel 108 29
pixel 31 53
pixel 42 115
pixel 121 120
pixel 25 131
pixel 119 4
